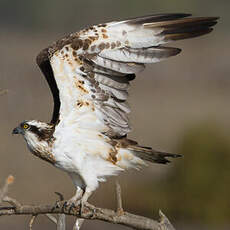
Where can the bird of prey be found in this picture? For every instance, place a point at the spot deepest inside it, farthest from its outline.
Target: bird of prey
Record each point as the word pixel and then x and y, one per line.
pixel 89 73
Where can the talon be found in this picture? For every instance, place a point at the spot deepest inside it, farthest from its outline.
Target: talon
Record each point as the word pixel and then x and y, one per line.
pixel 81 208
pixel 83 204
pixel 65 205
pixel 72 206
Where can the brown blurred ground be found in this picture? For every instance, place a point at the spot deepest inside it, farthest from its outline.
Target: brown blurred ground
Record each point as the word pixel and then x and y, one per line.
pixel 179 105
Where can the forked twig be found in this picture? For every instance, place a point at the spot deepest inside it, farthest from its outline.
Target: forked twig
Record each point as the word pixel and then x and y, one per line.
pixel 120 210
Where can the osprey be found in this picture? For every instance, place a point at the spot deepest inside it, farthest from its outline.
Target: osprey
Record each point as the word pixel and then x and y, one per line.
pixel 89 73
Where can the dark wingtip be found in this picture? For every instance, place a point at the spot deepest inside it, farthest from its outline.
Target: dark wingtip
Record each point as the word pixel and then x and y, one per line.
pixel 156 18
pixel 188 28
pixel 214 18
pixel 164 159
pixel 176 155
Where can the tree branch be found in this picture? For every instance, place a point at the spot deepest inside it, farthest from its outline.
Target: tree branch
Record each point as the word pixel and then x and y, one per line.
pixel 89 212
pixel 120 210
pixel 52 218
pixel 32 221
pixel 61 222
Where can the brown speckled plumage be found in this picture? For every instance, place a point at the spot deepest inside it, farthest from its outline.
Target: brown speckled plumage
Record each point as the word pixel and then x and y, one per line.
pixel 89 74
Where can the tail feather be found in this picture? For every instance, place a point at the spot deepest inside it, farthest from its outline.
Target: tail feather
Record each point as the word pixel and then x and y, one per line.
pixel 148 154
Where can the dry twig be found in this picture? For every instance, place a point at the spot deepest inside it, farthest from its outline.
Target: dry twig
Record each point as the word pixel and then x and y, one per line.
pixel 61 222
pixel 4 190
pixel 52 218
pixel 78 223
pixel 120 210
pixel 32 221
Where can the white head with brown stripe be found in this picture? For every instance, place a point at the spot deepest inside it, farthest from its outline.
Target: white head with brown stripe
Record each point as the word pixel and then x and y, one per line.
pixel 38 136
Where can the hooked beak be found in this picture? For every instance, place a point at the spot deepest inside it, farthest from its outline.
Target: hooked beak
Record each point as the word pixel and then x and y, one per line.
pixel 17 130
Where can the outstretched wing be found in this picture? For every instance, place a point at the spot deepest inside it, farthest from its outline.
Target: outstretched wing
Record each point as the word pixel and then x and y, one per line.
pixel 89 71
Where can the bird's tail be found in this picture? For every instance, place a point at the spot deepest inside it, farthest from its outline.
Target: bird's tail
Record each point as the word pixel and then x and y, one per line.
pixel 148 154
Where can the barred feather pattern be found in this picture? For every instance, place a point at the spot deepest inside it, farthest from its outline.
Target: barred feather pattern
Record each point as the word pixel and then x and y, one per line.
pixel 89 73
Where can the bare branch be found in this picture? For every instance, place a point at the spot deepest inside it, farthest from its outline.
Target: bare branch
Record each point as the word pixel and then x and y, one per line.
pixel 78 223
pixel 12 201
pixel 164 222
pixel 89 212
pixel 4 190
pixel 52 218
pixel 61 222
pixel 120 210
pixel 32 221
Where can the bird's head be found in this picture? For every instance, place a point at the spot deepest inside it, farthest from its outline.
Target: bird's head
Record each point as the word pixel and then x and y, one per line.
pixel 34 132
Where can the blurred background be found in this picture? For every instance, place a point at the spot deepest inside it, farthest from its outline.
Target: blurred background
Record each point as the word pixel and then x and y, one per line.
pixel 180 105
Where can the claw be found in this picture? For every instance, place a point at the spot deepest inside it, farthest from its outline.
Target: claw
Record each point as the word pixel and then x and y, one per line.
pixel 65 205
pixel 72 206
pixel 84 199
pixel 82 207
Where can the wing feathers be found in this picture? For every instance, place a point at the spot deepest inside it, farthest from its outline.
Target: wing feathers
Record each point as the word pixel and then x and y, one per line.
pixel 183 28
pixel 118 66
pixel 111 81
pixel 208 21
pixel 119 94
pixel 44 64
pixel 158 29
pixel 156 18
pixel 94 66
pixel 192 34
pixel 142 55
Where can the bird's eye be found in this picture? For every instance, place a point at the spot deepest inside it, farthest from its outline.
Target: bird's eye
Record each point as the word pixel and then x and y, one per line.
pixel 25 126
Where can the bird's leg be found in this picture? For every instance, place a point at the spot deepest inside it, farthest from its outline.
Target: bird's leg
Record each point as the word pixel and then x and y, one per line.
pixel 72 202
pixel 78 195
pixel 75 200
pixel 84 199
